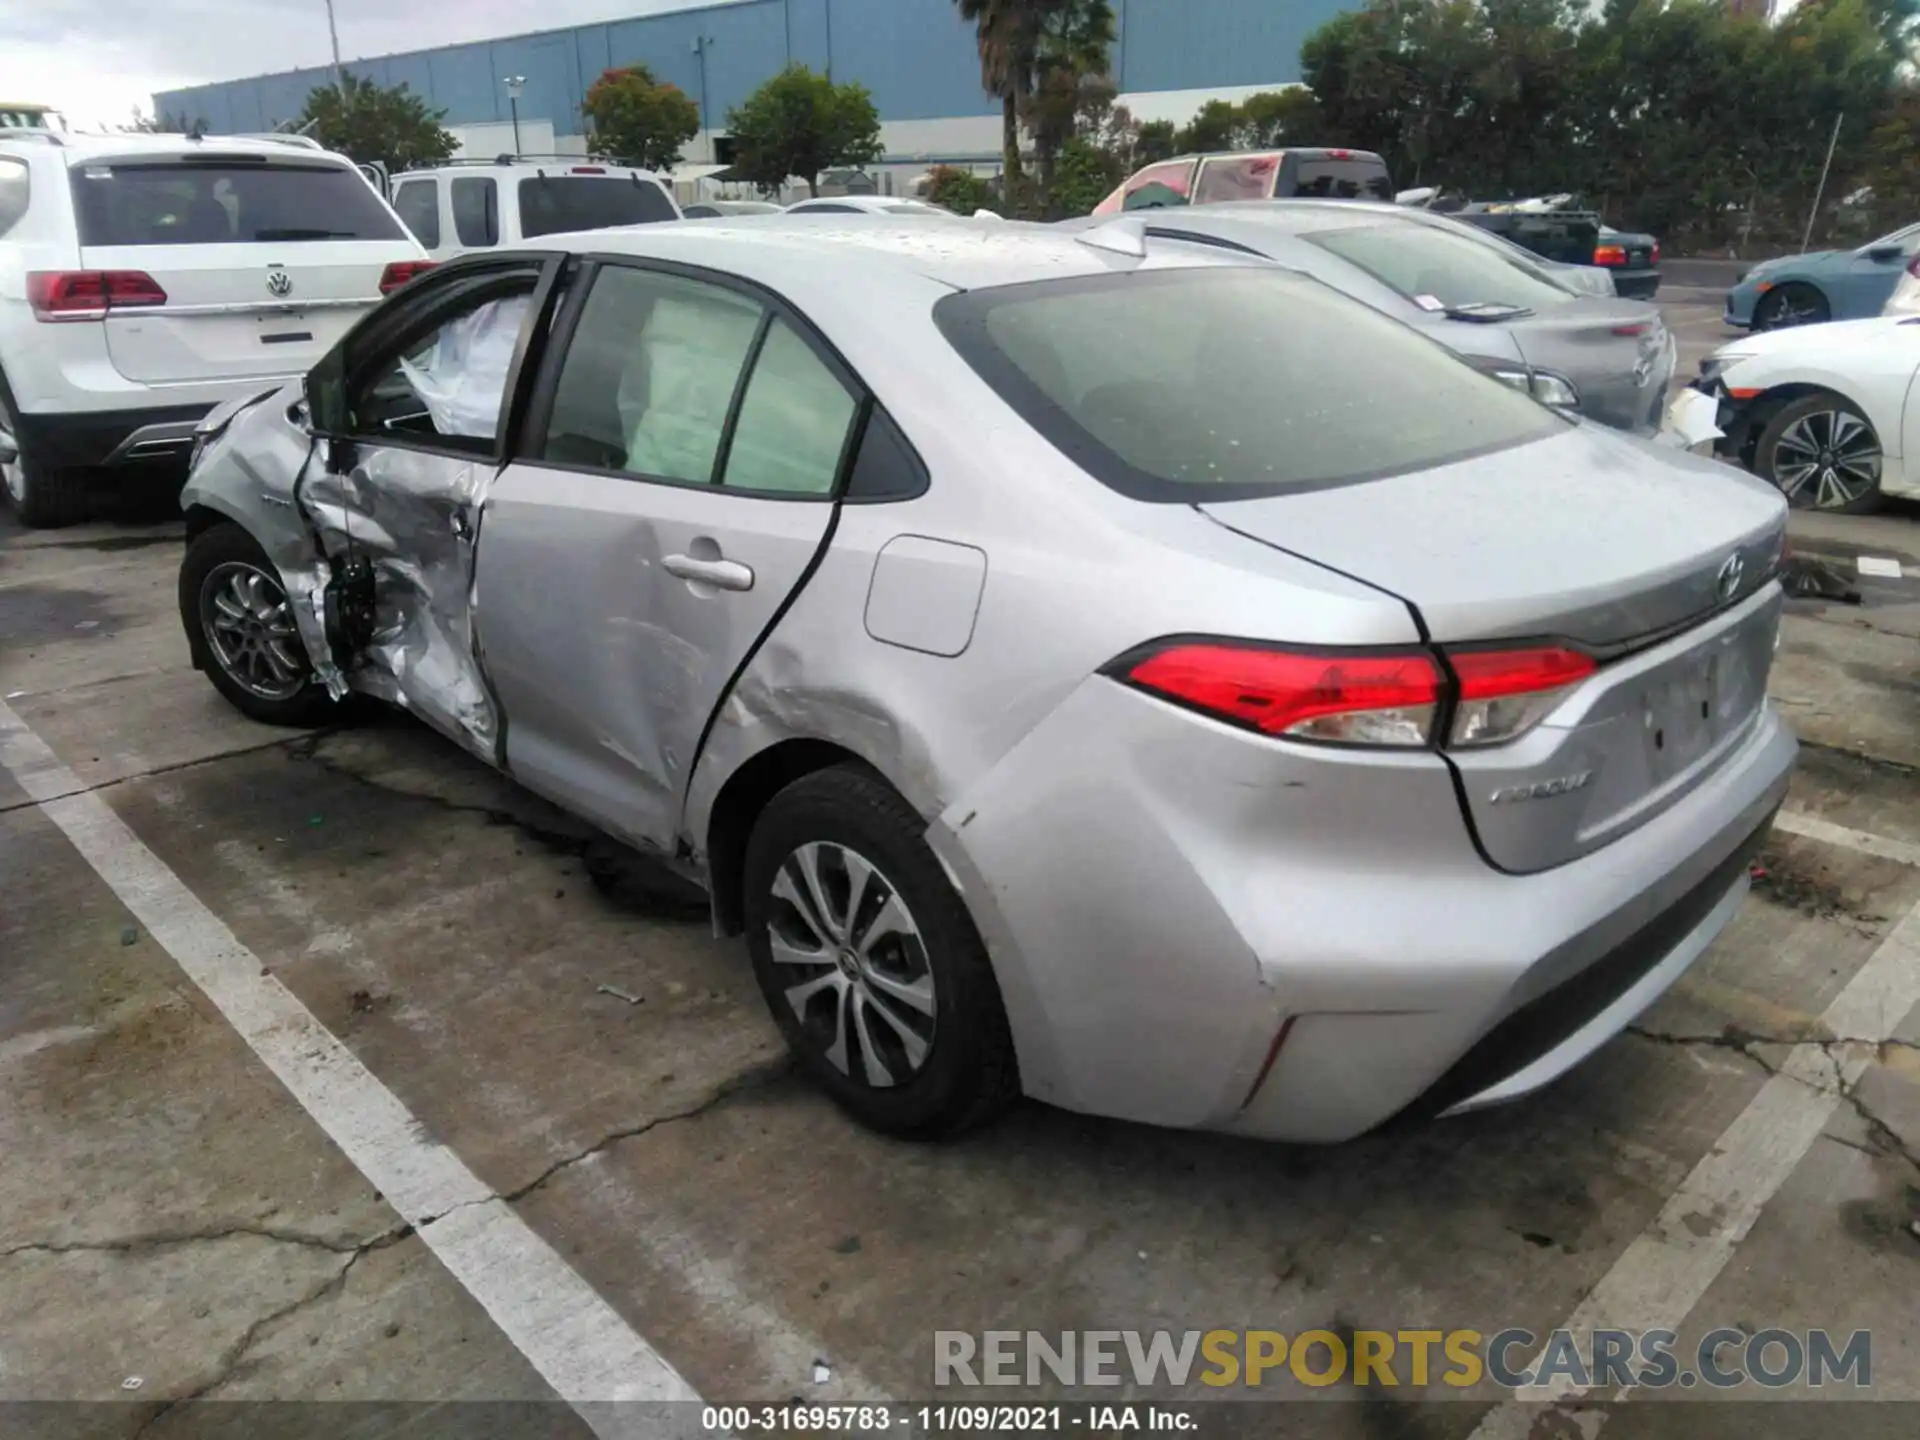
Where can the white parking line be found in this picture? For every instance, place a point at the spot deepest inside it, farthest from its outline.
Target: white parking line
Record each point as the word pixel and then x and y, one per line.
pixel 1796 822
pixel 1663 1274
pixel 580 1345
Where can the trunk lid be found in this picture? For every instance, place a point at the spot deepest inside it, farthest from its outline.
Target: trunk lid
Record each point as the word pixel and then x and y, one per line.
pixel 1655 563
pixel 1619 355
pixel 265 262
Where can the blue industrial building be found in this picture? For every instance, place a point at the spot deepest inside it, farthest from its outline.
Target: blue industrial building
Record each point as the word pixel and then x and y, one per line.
pixel 917 57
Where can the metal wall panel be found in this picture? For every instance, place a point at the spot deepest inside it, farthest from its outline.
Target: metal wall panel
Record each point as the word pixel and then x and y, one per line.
pixel 916 56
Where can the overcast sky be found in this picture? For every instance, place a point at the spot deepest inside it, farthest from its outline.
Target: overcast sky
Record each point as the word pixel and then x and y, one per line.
pixel 97 59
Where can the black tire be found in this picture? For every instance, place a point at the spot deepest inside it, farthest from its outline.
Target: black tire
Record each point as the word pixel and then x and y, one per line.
pixel 228 545
pixel 1791 304
pixel 968 1074
pixel 1798 424
pixel 44 498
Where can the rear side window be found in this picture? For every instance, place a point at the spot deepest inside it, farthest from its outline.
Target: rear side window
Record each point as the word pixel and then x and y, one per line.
pixel 651 385
pixel 1168 384
pixel 1342 180
pixel 556 204
pixel 826 209
pixel 1237 177
pixel 417 203
pixel 476 211
pixel 13 192
pixel 215 202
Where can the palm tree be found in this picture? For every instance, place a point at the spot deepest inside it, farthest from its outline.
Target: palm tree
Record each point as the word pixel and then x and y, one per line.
pixel 1069 74
pixel 1009 36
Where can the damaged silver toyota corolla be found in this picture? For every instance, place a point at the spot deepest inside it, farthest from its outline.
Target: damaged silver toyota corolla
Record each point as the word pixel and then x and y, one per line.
pixel 1116 670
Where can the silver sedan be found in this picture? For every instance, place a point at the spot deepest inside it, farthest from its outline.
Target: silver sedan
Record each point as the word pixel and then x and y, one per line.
pixel 1607 358
pixel 1131 674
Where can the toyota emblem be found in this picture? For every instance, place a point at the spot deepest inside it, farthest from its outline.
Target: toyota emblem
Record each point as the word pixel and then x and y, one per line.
pixel 279 282
pixel 1731 571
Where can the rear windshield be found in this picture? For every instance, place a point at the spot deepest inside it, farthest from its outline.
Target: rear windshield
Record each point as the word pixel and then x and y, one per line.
pixel 1424 261
pixel 556 204
pixel 1342 180
pixel 1164 384
pixel 215 203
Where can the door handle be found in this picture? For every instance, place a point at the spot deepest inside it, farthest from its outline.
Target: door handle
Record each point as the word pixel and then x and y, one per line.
pixel 722 574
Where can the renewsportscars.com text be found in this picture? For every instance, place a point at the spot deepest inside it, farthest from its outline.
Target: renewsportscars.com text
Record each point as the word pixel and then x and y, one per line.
pixel 1513 1358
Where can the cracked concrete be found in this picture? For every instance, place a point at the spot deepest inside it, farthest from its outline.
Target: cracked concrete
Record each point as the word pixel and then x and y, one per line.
pixel 166 1211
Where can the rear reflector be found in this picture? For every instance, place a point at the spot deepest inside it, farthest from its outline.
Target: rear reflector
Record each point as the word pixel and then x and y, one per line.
pixel 67 295
pixel 400 272
pixel 1361 698
pixel 1609 255
pixel 1505 693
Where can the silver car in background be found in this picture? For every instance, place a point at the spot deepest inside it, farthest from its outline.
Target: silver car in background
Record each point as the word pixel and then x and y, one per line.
pixel 1047 651
pixel 1607 358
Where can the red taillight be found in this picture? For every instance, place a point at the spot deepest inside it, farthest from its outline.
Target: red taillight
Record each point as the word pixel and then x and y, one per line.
pixel 589 169
pixel 65 295
pixel 1655 259
pixel 1630 330
pixel 1504 693
pixel 1359 698
pixel 1388 698
pixel 1339 154
pixel 400 272
pixel 1609 254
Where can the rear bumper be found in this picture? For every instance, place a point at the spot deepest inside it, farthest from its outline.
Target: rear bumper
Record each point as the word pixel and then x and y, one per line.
pixel 114 437
pixel 1241 891
pixel 1636 284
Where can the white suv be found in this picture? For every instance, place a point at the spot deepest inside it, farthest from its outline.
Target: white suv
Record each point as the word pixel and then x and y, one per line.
pixel 478 204
pixel 144 279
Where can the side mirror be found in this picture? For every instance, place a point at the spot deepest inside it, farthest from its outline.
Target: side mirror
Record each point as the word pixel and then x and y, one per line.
pixel 1886 254
pixel 324 397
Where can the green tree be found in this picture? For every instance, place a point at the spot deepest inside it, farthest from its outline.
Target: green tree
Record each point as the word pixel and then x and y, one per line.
pixel 1008 33
pixel 960 191
pixel 1212 128
pixel 1274 118
pixel 1155 141
pixel 800 123
pixel 1086 175
pixel 372 122
pixel 640 120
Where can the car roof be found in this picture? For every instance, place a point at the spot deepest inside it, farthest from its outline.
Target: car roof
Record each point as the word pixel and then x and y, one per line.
pixel 79 148
pixel 1293 217
pixel 545 165
pixel 864 249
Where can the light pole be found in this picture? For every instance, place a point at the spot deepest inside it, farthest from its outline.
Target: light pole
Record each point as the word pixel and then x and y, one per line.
pixel 516 87
pixel 333 34
pixel 700 44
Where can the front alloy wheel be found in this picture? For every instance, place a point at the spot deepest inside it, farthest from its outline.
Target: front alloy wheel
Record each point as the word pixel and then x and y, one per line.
pixel 1823 455
pixel 858 979
pixel 249 628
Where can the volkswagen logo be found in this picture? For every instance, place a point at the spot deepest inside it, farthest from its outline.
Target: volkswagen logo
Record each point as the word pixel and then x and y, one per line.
pixel 1732 569
pixel 279 282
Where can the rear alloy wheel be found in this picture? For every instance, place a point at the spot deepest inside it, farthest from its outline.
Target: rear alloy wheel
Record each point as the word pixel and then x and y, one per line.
pixel 1822 454
pixel 241 627
pixel 43 498
pixel 869 961
pixel 1786 306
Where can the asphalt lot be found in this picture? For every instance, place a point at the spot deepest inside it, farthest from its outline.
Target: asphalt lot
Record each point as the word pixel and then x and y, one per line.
pixel 309 1090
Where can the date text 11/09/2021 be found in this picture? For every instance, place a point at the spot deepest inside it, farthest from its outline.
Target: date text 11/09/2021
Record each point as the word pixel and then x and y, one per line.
pixel 949 1419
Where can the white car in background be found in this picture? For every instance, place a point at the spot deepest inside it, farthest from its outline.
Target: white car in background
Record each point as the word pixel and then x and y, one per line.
pixel 1825 412
pixel 897 206
pixel 146 279
pixel 469 205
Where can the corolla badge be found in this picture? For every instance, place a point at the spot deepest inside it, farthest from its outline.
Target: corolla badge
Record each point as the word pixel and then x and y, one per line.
pixel 1732 570
pixel 279 282
pixel 1542 789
